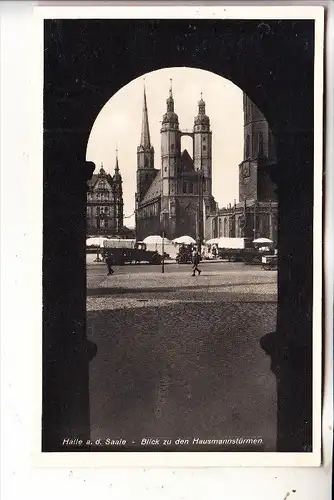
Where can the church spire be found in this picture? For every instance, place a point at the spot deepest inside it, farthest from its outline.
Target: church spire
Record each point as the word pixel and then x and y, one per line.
pixel 145 140
pixel 116 165
pixel 117 176
pixel 170 100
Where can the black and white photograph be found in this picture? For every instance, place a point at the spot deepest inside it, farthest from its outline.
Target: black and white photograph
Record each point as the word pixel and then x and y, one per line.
pixel 182 235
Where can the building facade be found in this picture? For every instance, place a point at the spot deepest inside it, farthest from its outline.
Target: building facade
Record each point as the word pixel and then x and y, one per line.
pixel 255 215
pixel 177 197
pixel 105 204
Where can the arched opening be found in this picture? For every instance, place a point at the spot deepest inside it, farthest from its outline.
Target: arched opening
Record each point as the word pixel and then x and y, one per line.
pixel 90 80
pixel 187 143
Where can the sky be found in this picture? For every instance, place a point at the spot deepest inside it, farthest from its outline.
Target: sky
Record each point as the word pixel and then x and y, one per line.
pixel 118 126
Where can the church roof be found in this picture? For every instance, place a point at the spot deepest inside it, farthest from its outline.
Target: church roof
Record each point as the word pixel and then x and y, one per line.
pixel 187 164
pixel 154 191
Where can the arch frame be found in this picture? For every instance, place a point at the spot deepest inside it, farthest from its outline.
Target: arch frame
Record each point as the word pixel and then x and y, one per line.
pixel 75 89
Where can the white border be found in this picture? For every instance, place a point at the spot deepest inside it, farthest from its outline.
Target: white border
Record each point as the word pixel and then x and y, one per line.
pixel 164 459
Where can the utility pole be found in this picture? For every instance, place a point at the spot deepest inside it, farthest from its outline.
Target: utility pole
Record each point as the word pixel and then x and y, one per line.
pixel 163 214
pixel 200 224
pixel 163 252
pixel 254 230
pixel 270 221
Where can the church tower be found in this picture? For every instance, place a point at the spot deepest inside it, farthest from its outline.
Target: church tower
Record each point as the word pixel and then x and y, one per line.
pixel 118 198
pixel 203 147
pixel 259 153
pixel 145 157
pixel 170 164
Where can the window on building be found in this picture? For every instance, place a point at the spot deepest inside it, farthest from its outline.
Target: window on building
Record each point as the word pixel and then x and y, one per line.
pixel 204 139
pixel 204 148
pixel 191 187
pixel 225 227
pixel 172 147
pixel 184 187
pixel 247 152
pixel 220 228
pixel 106 209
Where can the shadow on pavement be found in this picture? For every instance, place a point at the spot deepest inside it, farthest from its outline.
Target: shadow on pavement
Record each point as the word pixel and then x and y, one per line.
pixel 100 291
pixel 183 371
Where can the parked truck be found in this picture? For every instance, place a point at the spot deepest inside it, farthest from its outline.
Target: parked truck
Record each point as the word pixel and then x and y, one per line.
pixel 231 249
pixel 129 251
pixel 240 250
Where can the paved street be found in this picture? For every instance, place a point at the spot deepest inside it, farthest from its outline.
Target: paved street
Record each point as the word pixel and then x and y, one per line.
pixel 180 355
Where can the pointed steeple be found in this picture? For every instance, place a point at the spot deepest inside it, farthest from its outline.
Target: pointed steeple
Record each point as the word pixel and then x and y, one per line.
pixel 170 100
pixel 145 140
pixel 116 165
pixel 117 175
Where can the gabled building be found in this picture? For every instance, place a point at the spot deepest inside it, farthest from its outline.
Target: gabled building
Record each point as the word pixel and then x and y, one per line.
pixel 105 204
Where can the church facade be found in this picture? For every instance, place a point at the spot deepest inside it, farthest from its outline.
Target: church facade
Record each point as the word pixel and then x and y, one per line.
pixel 176 197
pixel 255 215
pixel 105 204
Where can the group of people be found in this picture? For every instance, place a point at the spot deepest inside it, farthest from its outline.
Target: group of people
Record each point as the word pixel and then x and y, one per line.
pixel 195 259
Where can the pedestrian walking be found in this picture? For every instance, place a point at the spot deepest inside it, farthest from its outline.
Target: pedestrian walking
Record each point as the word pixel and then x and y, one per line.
pixel 196 260
pixel 109 262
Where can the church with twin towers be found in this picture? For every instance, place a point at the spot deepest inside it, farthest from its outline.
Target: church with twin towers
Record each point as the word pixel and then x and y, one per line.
pixel 175 198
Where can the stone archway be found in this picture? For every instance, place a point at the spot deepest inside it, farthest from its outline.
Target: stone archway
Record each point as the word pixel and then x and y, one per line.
pixel 86 61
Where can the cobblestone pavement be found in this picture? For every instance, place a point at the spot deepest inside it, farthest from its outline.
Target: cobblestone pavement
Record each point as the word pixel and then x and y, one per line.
pixel 180 355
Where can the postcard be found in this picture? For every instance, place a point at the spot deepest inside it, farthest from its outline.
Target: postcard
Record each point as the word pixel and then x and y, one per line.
pixel 181 151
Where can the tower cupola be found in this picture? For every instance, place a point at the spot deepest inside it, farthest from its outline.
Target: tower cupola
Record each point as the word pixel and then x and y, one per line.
pixel 170 117
pixel 201 118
